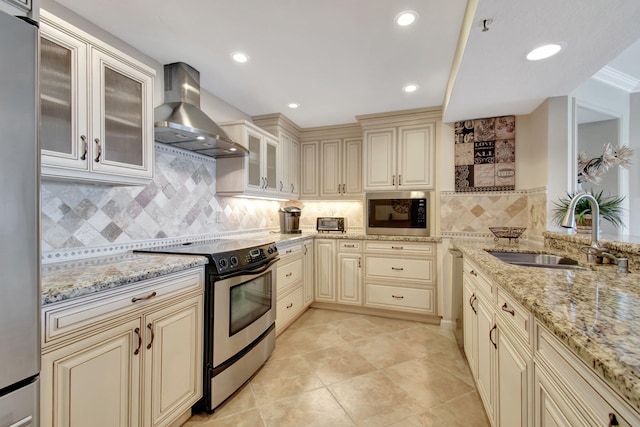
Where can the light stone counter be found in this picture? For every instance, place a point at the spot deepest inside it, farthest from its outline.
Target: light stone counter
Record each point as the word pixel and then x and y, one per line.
pixel 72 279
pixel 595 312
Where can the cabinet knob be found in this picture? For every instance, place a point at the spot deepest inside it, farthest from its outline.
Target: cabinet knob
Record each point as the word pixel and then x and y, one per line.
pixel 613 421
pixel 289 274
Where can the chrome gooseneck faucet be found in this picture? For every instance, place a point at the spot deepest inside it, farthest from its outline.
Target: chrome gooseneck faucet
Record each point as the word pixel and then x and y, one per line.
pixel 595 252
pixel 569 220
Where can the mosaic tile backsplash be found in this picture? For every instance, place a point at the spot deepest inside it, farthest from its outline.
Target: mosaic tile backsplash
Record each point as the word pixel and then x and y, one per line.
pixel 179 201
pixel 474 213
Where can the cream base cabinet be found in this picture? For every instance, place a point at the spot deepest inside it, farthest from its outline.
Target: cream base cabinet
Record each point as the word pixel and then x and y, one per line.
pixel 309 271
pixel 485 378
pixel 349 280
pixel 126 357
pixel 289 284
pixel 96 109
pixel 513 372
pixel 400 276
pixel 325 266
pixel 94 382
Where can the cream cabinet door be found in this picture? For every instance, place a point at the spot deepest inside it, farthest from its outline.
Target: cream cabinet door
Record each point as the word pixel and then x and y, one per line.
pixel 309 273
pixel 94 382
pixel 63 100
pixel 552 409
pixel 512 383
pixel 270 165
pixel 486 355
pixel 349 279
pixel 325 254
pixel 331 172
pixel 309 170
pixel 122 110
pixel 380 159
pixel 173 360
pixel 352 167
pixel 470 326
pixel 415 157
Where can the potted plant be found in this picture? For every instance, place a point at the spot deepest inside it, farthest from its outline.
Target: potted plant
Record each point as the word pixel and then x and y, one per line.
pixel 610 209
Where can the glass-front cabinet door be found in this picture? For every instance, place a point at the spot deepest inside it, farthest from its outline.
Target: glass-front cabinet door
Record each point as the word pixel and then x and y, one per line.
pixel 122 117
pixel 96 108
pixel 255 179
pixel 271 165
pixel 63 100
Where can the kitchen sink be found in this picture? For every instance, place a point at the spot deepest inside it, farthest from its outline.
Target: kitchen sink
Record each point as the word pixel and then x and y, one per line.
pixel 528 259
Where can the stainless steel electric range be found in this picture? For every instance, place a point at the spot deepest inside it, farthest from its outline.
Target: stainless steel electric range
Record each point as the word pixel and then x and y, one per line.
pixel 240 312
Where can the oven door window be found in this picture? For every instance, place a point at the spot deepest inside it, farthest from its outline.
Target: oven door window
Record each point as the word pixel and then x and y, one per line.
pixel 249 301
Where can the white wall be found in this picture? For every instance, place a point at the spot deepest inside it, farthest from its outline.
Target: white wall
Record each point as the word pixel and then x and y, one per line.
pixel 634 173
pixel 598 96
pixel 560 160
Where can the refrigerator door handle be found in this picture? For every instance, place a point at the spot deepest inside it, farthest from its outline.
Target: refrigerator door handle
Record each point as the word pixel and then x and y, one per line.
pixel 23 422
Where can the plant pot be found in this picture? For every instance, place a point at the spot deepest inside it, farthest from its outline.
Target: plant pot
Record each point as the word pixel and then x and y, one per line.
pixel 584 226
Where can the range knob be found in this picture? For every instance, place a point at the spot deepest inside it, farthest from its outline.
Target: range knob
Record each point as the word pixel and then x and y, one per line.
pixel 271 249
pixel 223 263
pixel 233 260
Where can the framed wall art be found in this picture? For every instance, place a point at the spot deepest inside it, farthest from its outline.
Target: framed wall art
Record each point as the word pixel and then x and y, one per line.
pixel 485 154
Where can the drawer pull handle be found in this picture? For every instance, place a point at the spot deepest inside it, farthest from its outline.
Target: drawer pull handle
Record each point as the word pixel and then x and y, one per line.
pixel 613 421
pixel 97 159
pixel 84 147
pixel 151 295
pixel 398 296
pixel 473 273
pixel 153 336
pixel 290 305
pixel 491 336
pixel 349 246
pixel 397 268
pixel 505 307
pixel 397 247
pixel 289 274
pixel 137 331
pixel 305 249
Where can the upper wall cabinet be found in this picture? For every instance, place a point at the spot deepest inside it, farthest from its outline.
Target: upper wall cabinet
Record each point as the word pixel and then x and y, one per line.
pixel 288 134
pixel 255 174
pixel 399 150
pixel 331 162
pixel 96 109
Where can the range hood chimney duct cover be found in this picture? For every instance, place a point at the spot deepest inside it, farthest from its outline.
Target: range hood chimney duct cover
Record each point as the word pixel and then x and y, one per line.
pixel 180 122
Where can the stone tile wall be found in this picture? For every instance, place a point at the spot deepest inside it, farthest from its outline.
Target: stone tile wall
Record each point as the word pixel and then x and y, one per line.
pixel 472 214
pixel 179 201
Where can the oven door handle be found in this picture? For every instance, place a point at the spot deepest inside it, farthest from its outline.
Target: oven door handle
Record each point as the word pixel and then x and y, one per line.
pixel 250 271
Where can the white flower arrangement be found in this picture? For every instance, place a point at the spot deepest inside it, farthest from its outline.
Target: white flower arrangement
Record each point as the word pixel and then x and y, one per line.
pixel 594 169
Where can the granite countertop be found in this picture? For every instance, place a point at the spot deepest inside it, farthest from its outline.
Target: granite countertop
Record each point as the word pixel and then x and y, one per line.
pixel 595 312
pixel 72 279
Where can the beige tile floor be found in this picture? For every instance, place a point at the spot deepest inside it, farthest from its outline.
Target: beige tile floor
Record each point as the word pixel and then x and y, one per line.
pixel 340 369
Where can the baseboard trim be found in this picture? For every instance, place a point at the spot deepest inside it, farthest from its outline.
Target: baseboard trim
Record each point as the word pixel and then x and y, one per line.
pixel 424 318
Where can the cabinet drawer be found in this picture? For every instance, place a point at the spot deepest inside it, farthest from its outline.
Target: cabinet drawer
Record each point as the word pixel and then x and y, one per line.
pixel 395 297
pixel 472 273
pixel 400 248
pixel 288 274
pixel 286 251
pixel 588 392
pixel 76 316
pixel 399 268
pixel 349 245
pixel 515 315
pixel 288 307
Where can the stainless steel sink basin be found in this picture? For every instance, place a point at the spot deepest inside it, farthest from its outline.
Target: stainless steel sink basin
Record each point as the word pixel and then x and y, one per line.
pixel 527 259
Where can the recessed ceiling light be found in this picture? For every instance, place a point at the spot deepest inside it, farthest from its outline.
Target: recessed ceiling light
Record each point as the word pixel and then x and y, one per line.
pixel 240 57
pixel 294 105
pixel 544 52
pixel 412 87
pixel 406 17
pixel 200 138
pixel 233 149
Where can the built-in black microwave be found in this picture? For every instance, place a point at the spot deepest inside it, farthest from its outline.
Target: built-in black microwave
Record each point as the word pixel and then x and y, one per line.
pixel 398 213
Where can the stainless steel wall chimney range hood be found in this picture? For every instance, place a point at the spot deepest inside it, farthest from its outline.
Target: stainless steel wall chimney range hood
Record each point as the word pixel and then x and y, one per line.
pixel 181 123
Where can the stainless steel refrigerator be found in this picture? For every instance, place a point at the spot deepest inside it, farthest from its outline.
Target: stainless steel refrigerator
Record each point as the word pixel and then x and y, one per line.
pixel 19 229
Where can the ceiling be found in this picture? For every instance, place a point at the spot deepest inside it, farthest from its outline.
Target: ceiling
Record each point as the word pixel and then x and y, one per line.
pixel 339 59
